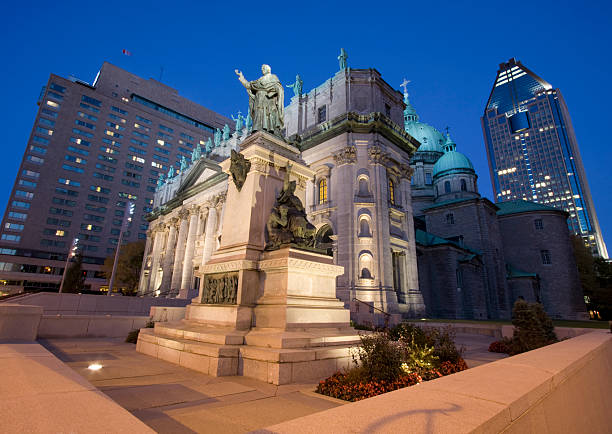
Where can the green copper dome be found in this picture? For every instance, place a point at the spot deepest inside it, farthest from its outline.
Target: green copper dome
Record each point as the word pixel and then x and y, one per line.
pixel 452 161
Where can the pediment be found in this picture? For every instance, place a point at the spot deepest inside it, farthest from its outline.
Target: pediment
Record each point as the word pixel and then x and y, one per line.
pixel 203 170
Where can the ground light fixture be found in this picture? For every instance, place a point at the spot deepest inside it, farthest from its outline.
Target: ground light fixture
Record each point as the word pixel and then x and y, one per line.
pixel 94 367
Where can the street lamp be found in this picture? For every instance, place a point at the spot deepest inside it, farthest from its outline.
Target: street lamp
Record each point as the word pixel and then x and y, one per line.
pixel 73 250
pixel 126 221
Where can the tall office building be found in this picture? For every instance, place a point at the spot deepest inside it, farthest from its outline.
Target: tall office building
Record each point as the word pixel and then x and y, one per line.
pixel 92 149
pixel 533 152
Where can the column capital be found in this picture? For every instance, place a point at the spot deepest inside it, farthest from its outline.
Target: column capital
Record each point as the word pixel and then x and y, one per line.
pixel 193 210
pixel 183 214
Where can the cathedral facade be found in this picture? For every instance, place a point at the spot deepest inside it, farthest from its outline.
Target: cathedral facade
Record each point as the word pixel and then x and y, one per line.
pixel 391 199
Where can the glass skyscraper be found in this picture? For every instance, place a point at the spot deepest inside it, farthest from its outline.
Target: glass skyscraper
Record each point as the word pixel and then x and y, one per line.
pixel 533 152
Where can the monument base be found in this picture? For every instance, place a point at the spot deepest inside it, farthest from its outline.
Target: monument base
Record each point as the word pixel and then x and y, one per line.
pixel 299 330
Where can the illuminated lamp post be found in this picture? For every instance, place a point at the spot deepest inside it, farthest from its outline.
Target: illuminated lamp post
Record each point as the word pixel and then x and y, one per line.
pixel 126 221
pixel 73 249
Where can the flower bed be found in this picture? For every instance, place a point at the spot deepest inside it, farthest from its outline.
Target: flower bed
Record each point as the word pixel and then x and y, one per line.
pixel 393 359
pixel 342 385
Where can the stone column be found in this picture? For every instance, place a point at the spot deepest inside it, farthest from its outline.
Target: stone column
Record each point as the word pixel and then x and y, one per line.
pixel 144 282
pixel 179 251
pixel 194 214
pixel 169 257
pixel 209 234
pixel 157 245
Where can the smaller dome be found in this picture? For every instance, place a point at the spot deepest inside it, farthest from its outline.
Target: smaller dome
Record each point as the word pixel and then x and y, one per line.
pixel 431 140
pixel 452 160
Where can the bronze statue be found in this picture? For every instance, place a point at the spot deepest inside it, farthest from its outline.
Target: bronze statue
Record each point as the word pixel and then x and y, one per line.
pixel 239 168
pixel 266 101
pixel 287 223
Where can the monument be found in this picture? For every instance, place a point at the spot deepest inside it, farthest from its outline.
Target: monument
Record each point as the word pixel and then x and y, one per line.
pixel 267 305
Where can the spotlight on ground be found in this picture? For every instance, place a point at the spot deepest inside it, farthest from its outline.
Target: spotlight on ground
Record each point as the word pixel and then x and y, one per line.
pixel 94 367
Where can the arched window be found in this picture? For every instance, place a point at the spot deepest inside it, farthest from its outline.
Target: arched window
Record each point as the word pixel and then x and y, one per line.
pixel 364 228
pixel 391 192
pixel 463 185
pixel 323 190
pixel 363 187
pixel 447 187
pixel 365 266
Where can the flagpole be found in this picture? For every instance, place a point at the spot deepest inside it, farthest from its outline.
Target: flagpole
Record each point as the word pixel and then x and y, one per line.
pixel 71 253
pixel 126 220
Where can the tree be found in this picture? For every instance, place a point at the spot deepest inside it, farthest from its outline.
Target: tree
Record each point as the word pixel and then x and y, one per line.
pixel 595 278
pixel 75 276
pixel 128 266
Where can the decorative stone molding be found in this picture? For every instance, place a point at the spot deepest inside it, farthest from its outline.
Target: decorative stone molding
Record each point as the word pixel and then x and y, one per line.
pixel 259 165
pixel 172 222
pixel 242 264
pixel 405 171
pixel 193 210
pixel 377 156
pixel 300 264
pixel 346 155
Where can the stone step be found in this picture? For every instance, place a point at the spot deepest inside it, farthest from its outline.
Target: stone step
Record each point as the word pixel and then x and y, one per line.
pixel 199 332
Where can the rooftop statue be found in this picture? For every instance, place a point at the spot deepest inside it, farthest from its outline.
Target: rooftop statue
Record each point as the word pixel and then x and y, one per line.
pixel 266 101
pixel 160 180
pixel 217 137
pixel 208 146
pixel 342 59
pixel 226 132
pixel 297 86
pixel 239 122
pixel 287 223
pixel 248 122
pixel 183 163
pixel 196 154
pixel 171 172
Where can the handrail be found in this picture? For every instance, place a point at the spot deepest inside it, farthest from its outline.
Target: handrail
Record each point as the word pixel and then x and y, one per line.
pixel 387 314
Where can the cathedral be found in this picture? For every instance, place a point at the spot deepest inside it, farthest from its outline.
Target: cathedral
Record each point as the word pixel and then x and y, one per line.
pixel 391 199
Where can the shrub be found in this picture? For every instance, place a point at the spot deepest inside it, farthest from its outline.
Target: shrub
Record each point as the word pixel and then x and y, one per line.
pixel 417 358
pixel 532 327
pixel 441 339
pixel 378 358
pixel 132 336
pixel 503 346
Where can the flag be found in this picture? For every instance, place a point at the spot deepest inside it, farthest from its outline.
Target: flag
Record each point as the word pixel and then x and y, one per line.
pixel 126 52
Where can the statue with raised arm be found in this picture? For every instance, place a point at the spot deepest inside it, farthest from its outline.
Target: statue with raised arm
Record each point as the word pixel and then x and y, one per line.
pixel 297 86
pixel 226 132
pixel 342 59
pixel 217 137
pixel 266 101
pixel 239 122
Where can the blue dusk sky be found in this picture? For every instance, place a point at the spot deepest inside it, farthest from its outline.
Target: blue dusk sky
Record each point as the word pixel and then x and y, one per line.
pixel 449 50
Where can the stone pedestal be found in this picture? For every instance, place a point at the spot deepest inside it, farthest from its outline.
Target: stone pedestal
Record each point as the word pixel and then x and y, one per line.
pixel 273 316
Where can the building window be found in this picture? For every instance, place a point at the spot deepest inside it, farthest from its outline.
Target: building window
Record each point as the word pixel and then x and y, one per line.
pixel 450 219
pixel 447 187
pixel 322 190
pixel 546 258
pixel 364 228
pixel 391 192
pixel 463 185
pixel 322 114
pixel 428 178
pixel 539 225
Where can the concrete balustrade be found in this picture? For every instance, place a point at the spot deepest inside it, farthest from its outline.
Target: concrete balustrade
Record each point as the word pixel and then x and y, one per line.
pixel 564 387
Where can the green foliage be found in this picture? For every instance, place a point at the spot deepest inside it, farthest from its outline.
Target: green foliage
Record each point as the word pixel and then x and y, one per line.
pixel 378 358
pixel 128 267
pixel 75 276
pixel 533 328
pixel 441 339
pixel 418 358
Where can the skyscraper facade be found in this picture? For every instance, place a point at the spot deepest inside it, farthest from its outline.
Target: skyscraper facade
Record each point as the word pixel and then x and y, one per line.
pixel 92 150
pixel 533 152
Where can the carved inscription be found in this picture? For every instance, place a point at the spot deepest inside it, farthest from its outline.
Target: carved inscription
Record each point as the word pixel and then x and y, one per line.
pixel 220 288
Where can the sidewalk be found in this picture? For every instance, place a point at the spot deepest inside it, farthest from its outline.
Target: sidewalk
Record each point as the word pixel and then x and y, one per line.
pixel 173 399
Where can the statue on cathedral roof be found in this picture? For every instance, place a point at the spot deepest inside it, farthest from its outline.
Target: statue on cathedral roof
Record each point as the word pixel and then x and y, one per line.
pixel 209 146
pixel 183 163
pixel 239 122
pixel 217 137
pixel 171 172
pixel 266 101
pixel 160 180
pixel 287 224
pixel 226 132
pixel 297 86
pixel 342 59
pixel 196 154
pixel 248 122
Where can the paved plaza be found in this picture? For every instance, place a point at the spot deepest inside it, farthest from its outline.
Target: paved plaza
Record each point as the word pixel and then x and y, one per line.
pixel 173 399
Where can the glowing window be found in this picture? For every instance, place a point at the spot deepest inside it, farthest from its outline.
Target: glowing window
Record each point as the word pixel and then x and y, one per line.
pixel 391 192
pixel 323 190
